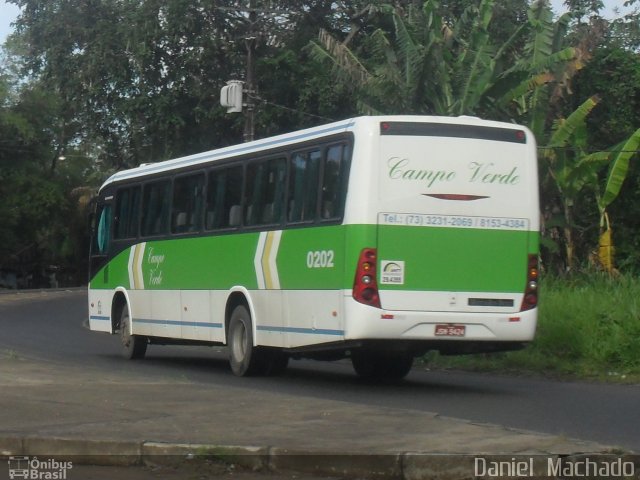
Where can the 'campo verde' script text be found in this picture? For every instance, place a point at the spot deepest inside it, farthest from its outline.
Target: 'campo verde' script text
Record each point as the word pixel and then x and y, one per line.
pixel 479 172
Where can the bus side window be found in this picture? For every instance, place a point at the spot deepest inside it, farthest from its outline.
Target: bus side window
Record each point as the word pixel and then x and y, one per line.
pixel 303 186
pixel 156 207
pixel 127 211
pixel 265 192
pixel 187 204
pixel 334 182
pixel 224 198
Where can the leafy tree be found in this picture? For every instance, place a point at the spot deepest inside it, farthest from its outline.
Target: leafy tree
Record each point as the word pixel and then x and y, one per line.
pixel 33 202
pixel 428 64
pixel 139 77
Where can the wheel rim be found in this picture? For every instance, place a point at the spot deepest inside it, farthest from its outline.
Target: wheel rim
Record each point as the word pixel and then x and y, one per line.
pixel 239 342
pixel 125 338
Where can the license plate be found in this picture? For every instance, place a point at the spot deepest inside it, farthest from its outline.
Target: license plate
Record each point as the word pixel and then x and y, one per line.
pixel 450 330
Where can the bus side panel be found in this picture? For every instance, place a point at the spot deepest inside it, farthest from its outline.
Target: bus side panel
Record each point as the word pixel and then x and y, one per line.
pixel 216 316
pixel 195 315
pixel 268 317
pixel 102 288
pixel 311 264
pixel 100 309
pixel 164 320
pixel 312 317
pixel 141 309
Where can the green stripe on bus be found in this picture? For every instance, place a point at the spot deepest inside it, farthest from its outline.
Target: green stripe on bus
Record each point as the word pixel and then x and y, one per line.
pixel 324 258
pixel 456 259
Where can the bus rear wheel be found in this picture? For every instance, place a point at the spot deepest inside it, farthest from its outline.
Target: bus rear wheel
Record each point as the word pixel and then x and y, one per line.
pixel 133 346
pixel 376 365
pixel 244 358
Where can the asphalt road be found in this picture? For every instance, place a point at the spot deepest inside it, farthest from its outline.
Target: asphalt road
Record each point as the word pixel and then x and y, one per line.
pixel 50 327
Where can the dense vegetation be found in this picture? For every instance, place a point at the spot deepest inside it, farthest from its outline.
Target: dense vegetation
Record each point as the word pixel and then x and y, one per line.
pixel 88 87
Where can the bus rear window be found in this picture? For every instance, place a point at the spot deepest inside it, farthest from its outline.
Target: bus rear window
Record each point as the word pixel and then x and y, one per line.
pixel 453 131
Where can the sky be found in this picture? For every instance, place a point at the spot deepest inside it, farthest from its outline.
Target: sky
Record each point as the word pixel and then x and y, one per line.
pixel 9 12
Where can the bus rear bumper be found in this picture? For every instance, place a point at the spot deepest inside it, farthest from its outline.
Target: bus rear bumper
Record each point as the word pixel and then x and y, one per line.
pixel 371 323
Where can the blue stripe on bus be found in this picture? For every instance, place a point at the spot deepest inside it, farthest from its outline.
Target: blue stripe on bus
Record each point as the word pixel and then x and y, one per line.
pixel 177 322
pixel 209 156
pixel 306 331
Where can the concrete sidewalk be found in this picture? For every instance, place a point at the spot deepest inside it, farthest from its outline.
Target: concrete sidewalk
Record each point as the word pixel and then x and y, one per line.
pixel 121 418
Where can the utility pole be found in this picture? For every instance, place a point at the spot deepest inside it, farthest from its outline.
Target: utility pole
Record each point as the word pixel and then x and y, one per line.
pixel 239 96
pixel 250 41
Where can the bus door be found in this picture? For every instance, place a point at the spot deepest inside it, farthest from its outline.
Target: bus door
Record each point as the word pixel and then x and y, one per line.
pixel 101 223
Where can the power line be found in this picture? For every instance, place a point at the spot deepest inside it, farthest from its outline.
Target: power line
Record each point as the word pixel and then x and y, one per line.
pixel 266 102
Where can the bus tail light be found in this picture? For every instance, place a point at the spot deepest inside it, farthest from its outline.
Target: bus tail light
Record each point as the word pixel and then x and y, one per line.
pixel 530 299
pixel 365 285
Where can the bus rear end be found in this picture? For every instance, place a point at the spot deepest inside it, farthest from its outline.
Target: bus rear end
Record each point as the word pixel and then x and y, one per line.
pixel 454 264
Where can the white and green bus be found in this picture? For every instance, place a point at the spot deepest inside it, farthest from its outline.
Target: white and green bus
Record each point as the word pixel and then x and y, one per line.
pixel 375 239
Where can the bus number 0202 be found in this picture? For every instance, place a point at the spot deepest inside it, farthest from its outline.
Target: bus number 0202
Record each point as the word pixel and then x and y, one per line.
pixel 320 259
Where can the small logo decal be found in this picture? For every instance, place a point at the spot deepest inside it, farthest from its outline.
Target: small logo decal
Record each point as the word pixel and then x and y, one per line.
pixel 392 272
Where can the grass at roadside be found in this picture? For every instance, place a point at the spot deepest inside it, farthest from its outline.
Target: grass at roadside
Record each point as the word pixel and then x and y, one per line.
pixel 588 327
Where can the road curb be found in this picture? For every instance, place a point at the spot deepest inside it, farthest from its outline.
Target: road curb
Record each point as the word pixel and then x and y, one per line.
pixel 332 463
pixel 27 291
pixel 392 466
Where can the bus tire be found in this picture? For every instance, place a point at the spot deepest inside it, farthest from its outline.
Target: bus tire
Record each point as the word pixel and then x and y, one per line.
pixel 245 359
pixel 133 346
pixel 386 366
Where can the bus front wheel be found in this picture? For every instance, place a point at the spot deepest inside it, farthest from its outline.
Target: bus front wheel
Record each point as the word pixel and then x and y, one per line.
pixel 133 346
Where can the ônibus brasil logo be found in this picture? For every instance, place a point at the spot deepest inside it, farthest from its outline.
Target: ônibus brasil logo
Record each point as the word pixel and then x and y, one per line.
pixel 34 469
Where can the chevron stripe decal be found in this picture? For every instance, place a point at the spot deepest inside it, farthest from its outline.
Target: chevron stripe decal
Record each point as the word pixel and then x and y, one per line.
pixel 265 260
pixel 136 254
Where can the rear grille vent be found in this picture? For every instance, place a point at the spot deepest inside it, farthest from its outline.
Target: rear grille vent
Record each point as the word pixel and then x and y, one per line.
pixel 490 302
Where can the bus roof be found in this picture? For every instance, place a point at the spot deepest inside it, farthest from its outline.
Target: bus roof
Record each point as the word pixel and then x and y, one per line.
pixel 285 139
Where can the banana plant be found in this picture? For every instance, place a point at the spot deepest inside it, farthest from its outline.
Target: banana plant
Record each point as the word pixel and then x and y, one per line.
pixel 543 71
pixel 568 167
pixel 425 64
pixel 572 169
pixel 618 169
pixel 428 65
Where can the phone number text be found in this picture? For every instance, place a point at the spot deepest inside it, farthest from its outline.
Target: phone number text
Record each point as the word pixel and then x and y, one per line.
pixel 456 221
